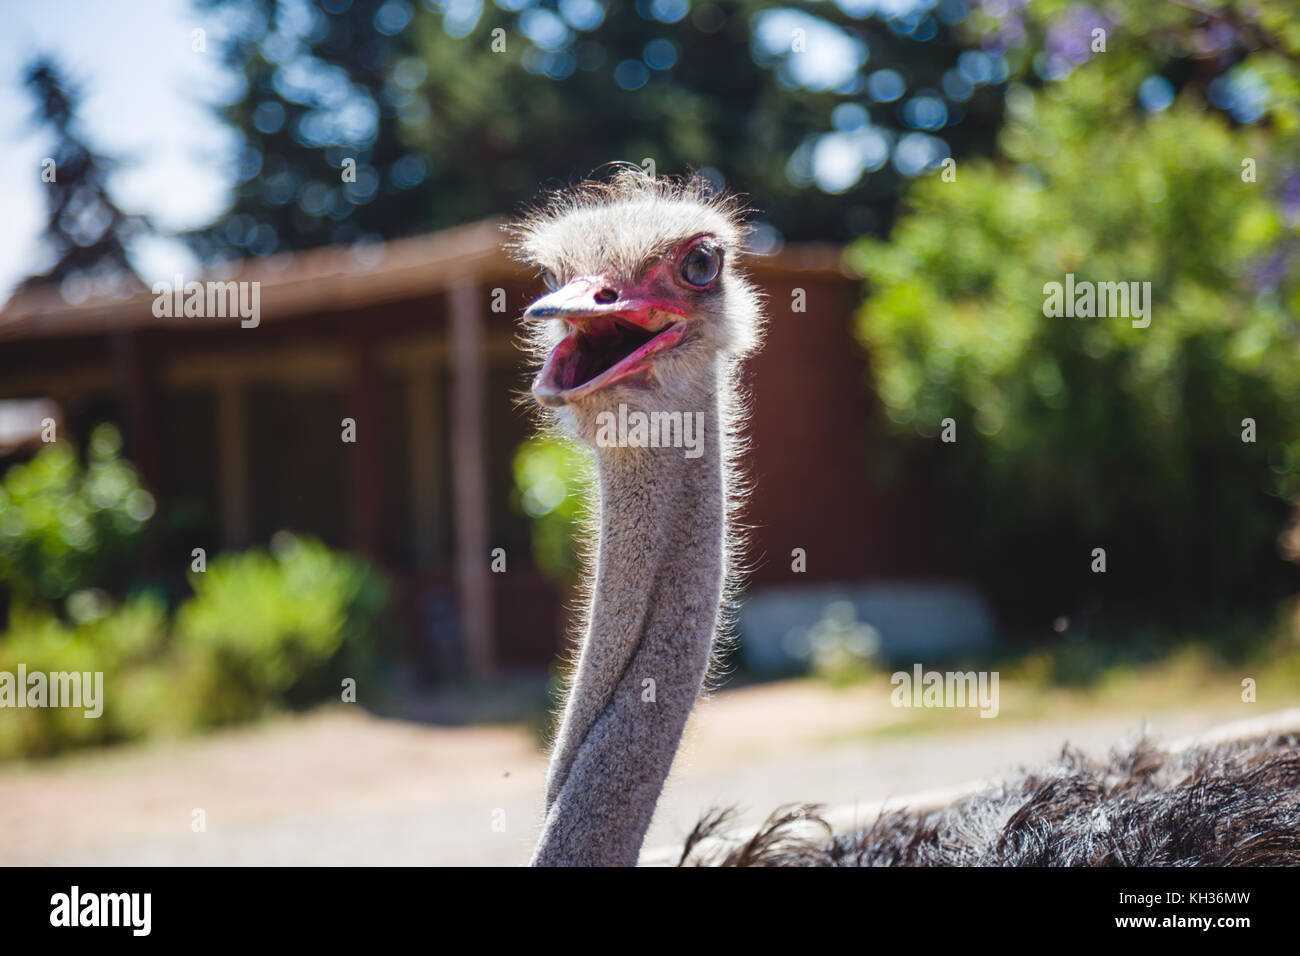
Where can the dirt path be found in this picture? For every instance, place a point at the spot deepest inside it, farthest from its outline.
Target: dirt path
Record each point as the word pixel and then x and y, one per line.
pixel 341 787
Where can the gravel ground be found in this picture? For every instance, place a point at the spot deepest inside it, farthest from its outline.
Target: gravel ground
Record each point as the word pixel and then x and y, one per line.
pixel 341 787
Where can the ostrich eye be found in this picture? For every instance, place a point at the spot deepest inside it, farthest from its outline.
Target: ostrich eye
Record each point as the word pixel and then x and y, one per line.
pixel 548 277
pixel 701 265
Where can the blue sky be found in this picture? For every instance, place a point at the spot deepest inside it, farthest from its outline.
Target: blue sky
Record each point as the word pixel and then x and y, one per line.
pixel 146 102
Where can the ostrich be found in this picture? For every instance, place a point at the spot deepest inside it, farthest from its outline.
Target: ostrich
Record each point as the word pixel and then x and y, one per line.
pixel 648 314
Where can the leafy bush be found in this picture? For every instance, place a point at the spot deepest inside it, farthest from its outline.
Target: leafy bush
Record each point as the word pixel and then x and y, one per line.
pixel 285 626
pixel 64 525
pixel 551 481
pixel 127 645
pixel 1075 433
pixel 261 631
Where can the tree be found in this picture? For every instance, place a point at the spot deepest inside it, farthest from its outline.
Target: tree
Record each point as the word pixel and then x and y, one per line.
pixel 321 159
pixel 450 112
pixel 1084 431
pixel 87 235
pixel 66 526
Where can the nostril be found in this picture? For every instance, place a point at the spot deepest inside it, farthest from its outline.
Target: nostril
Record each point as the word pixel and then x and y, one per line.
pixel 606 296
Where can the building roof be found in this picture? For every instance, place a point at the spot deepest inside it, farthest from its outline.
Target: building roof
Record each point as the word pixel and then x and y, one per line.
pixel 334 278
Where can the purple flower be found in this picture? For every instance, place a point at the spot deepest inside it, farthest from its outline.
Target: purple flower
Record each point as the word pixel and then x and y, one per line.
pixel 1070 37
pixel 1216 37
pixel 1001 8
pixel 1289 196
pixel 1268 273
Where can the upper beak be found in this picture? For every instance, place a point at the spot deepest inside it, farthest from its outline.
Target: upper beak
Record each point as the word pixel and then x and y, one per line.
pixel 589 298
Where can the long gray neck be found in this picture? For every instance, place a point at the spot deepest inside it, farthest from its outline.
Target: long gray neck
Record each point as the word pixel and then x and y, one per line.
pixel 658 583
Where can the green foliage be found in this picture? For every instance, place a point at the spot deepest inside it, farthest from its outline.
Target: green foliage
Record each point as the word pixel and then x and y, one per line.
pixel 552 480
pixel 64 525
pixel 1249 49
pixel 126 645
pixel 261 631
pixel 1076 433
pixel 262 628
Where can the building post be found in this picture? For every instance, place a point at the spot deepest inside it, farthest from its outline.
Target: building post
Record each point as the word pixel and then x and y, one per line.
pixel 425 439
pixel 469 476
pixel 367 454
pixel 136 369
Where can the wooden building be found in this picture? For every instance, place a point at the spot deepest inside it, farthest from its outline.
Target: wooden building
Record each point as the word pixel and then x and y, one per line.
pixel 237 430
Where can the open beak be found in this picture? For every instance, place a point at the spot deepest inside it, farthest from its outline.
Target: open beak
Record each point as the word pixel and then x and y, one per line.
pixel 612 337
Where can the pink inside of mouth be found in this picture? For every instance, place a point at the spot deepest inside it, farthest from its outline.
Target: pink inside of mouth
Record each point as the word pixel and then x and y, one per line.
pixel 606 344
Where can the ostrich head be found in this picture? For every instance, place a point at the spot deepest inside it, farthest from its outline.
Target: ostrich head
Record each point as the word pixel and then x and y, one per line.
pixel 645 295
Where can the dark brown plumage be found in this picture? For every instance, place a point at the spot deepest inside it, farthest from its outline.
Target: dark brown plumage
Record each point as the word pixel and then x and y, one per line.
pixel 1235 804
